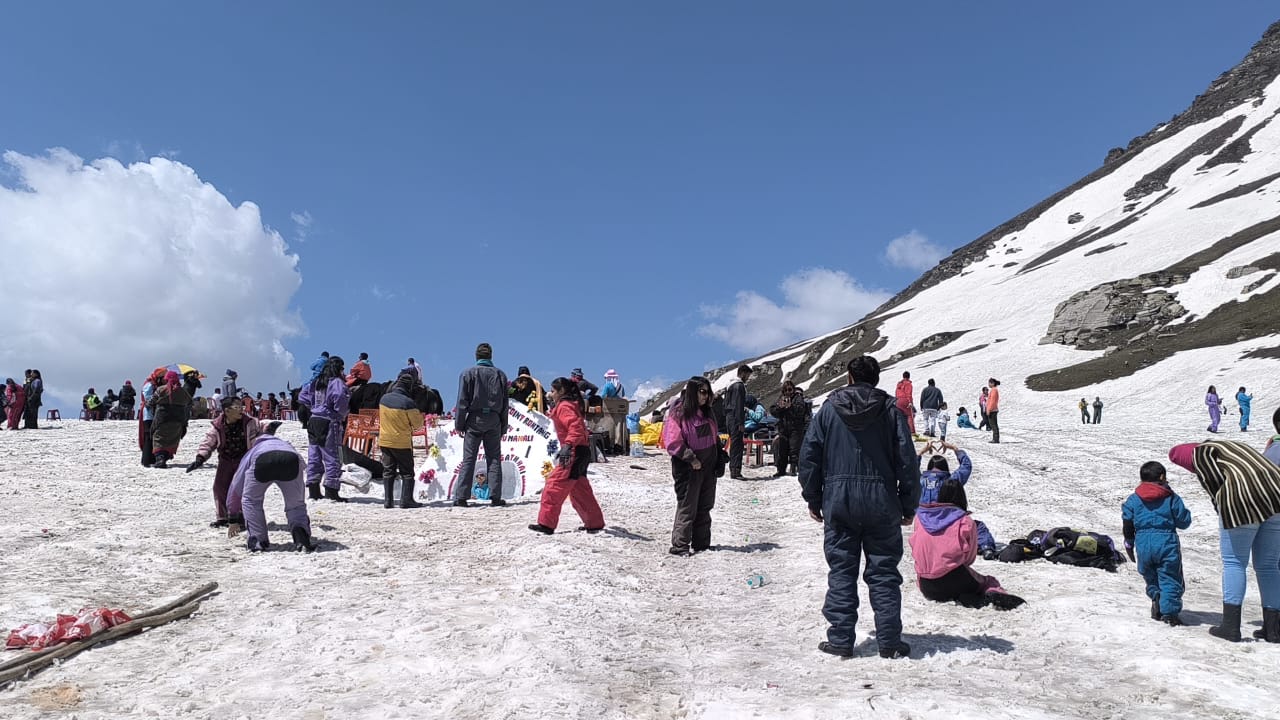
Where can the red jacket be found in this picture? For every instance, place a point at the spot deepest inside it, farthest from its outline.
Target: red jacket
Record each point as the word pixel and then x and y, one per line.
pixel 571 430
pixel 904 393
pixel 359 371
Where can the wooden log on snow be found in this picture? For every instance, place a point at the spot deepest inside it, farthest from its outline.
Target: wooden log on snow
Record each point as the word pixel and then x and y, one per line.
pixel 17 668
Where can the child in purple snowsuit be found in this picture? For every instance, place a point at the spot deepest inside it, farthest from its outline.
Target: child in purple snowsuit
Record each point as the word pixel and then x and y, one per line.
pixel 1215 408
pixel 270 460
pixel 328 398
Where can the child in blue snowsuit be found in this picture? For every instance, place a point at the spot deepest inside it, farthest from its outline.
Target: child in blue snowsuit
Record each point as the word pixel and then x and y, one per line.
pixel 1245 402
pixel 939 472
pixel 962 420
pixel 1152 516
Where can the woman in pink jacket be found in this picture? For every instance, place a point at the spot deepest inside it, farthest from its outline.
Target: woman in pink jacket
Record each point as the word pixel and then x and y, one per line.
pixel 693 440
pixel 944 544
pixel 15 399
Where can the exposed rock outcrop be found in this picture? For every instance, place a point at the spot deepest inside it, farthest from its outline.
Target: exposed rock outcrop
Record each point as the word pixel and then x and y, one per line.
pixel 1099 317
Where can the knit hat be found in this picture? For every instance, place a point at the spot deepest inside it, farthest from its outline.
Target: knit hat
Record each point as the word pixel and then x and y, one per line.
pixel 230 373
pixel 364 356
pixel 484 351
pixel 577 373
pixel 611 374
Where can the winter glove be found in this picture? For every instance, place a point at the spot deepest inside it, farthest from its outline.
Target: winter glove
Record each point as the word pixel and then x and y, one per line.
pixel 565 455
pixel 1128 550
pixel 196 463
pixel 989 554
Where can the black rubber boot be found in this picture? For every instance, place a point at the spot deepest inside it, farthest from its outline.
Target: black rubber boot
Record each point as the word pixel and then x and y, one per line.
pixel 332 494
pixel 388 491
pixel 1270 630
pixel 162 460
pixel 836 650
pixel 1229 630
pixel 1155 607
pixel 901 650
pixel 539 527
pixel 313 491
pixel 406 493
pixel 1171 620
pixel 302 540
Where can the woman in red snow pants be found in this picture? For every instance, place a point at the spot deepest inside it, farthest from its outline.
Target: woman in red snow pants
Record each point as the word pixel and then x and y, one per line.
pixel 569 478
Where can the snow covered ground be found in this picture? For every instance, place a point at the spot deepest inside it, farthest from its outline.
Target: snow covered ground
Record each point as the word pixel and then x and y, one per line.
pixel 464 613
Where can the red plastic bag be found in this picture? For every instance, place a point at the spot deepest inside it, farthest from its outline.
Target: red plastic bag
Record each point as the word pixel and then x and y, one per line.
pixel 66 628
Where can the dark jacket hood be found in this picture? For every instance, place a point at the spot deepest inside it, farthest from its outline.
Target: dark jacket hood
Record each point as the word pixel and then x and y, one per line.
pixel 860 405
pixel 936 518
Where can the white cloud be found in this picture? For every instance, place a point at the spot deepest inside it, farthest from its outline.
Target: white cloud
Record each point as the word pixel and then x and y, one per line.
pixel 113 270
pixel 378 292
pixel 649 388
pixel 913 251
pixel 301 224
pixel 815 301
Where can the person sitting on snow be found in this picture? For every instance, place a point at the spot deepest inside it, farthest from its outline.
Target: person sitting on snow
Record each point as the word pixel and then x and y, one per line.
pixel 944 545
pixel 1152 517
pixel 271 460
pixel 938 472
pixel 963 420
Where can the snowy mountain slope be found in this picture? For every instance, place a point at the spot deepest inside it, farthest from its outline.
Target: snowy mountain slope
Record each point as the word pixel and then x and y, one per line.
pixel 1172 245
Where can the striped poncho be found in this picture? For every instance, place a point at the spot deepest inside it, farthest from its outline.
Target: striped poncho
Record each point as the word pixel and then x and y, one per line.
pixel 1243 484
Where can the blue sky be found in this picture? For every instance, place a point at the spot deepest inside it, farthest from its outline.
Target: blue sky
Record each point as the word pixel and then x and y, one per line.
pixel 659 187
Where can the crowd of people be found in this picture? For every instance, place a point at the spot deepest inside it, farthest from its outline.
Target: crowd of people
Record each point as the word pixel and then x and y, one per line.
pixel 22 402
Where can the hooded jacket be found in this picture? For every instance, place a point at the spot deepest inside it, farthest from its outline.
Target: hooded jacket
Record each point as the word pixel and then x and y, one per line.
pixel 398 416
pixel 333 403
pixel 931 480
pixel 566 418
pixel 860 435
pixel 216 438
pixel 944 538
pixel 1153 507
pixel 687 438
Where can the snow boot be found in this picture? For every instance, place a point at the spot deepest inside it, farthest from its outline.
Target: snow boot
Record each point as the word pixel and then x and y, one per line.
pixel 461 503
pixel 498 502
pixel 832 649
pixel 1270 630
pixel 256 545
pixel 313 491
pixel 1229 630
pixel 302 540
pixel 1005 601
pixel 406 493
pixel 901 650
pixel 388 491
pixel 539 527
pixel 332 494
pixel 1171 620
pixel 1155 607
pixel 162 461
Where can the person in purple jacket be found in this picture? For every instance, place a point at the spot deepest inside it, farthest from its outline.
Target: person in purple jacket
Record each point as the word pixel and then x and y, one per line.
pixel 270 460
pixel 693 441
pixel 328 399
pixel 1215 408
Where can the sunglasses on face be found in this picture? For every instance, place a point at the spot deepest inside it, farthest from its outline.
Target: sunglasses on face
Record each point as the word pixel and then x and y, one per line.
pixel 703 391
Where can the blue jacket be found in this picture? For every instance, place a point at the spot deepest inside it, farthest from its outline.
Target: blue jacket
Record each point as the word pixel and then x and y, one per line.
pixel 931 480
pixel 858 455
pixel 1244 401
pixel 1162 514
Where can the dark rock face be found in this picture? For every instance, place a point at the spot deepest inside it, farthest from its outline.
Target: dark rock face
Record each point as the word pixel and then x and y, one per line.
pixel 1158 179
pixel 1114 313
pixel 1074 218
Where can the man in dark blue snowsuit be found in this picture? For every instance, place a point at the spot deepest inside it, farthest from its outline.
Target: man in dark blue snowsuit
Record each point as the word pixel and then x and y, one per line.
pixel 859 476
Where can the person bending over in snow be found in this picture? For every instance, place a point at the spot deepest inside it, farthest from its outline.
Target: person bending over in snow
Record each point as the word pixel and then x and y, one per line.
pixel 938 472
pixel 944 545
pixel 1152 516
pixel 232 434
pixel 271 460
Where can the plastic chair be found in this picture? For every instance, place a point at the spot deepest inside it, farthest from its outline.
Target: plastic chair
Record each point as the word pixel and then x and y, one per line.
pixel 52 415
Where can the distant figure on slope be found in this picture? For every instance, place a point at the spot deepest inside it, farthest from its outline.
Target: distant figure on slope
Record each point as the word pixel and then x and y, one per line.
pixel 232 434
pixel 1245 402
pixel 1215 408
pixel 1245 489
pixel 1097 409
pixel 1152 517
pixel 982 408
pixel 944 545
pixel 569 478
pixel 1084 411
pixel 993 408
pixel 904 396
pixel 328 400
pixel 930 403
pixel 793 412
pixel 944 418
pixel 270 460
pixel 15 398
pixel 170 404
pixel 963 420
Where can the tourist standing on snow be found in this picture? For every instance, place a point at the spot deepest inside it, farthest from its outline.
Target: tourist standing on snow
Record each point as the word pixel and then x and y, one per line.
pixel 481 419
pixel 398 419
pixel 15 398
pixel 930 404
pixel 944 545
pixel 1245 489
pixel 982 408
pixel 270 460
pixel 993 408
pixel 692 439
pixel 327 398
pixel 569 478
pixel 859 477
pixel 232 434
pixel 1215 408
pixel 34 388
pixel 1097 409
pixel 170 405
pixel 147 416
pixel 128 398
pixel 792 411
pixel 1084 411
pixel 1245 402
pixel 904 394
pixel 1152 517
pixel 229 387
pixel 735 413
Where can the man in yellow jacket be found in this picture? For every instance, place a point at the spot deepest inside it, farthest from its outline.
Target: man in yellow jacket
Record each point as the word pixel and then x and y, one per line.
pixel 398 418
